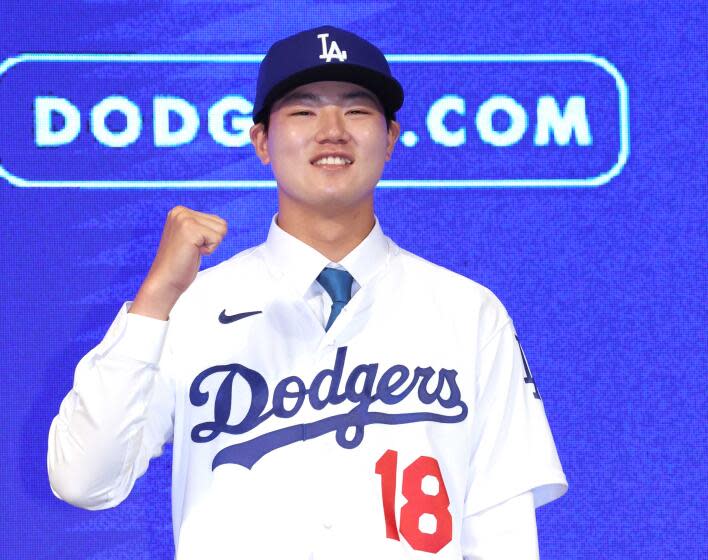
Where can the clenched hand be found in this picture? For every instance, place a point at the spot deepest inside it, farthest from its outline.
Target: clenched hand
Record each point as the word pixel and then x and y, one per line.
pixel 187 236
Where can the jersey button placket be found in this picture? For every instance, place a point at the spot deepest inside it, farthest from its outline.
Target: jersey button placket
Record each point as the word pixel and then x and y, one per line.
pixel 329 340
pixel 331 337
pixel 327 545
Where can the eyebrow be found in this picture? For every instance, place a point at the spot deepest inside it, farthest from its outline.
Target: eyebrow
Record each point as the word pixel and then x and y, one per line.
pixel 297 96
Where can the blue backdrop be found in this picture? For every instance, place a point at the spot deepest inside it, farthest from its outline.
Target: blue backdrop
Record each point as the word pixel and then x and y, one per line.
pixel 572 186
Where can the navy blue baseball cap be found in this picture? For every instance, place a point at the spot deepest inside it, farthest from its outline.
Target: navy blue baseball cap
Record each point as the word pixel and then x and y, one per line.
pixel 324 53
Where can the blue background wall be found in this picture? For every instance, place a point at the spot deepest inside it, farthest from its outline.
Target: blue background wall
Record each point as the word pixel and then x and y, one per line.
pixel 606 285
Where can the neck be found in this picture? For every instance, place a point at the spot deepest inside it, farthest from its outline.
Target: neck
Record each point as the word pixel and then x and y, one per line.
pixel 334 235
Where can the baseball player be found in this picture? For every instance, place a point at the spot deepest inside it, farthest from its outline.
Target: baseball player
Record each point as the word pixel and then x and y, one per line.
pixel 327 393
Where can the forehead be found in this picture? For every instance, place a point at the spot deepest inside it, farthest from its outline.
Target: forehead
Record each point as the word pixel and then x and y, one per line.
pixel 328 92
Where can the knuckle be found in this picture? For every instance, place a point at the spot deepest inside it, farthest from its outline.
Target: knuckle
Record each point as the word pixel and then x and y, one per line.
pixel 222 224
pixel 186 223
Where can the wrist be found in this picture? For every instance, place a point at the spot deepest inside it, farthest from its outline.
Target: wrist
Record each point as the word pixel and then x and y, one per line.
pixel 154 301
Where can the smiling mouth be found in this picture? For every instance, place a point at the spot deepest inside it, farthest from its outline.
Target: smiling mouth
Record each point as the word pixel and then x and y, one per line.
pixel 332 162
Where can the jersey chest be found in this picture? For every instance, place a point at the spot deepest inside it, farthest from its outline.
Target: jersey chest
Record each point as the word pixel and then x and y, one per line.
pixel 374 418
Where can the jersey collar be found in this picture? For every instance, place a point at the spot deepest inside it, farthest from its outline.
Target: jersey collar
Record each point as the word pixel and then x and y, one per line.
pixel 300 264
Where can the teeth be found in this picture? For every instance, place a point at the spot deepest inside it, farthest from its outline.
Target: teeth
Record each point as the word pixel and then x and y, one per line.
pixel 331 160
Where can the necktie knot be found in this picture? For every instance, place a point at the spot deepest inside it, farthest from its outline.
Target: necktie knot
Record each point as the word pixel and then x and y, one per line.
pixel 338 284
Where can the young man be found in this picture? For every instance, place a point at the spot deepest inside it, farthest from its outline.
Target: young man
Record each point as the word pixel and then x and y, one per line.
pixel 328 394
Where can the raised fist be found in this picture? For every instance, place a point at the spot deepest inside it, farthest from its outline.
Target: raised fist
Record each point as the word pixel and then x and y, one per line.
pixel 187 236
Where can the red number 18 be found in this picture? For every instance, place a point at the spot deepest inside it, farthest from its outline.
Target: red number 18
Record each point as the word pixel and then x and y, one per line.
pixel 418 502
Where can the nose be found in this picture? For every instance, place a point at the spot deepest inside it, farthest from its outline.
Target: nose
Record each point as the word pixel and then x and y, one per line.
pixel 332 126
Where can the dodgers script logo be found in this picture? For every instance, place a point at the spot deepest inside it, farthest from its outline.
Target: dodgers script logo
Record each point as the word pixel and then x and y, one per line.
pixel 361 388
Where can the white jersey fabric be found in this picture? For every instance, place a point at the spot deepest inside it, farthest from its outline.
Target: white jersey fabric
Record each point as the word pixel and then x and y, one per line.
pixel 414 412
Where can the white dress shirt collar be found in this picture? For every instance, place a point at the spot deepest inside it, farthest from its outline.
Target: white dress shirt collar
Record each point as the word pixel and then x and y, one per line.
pixel 289 257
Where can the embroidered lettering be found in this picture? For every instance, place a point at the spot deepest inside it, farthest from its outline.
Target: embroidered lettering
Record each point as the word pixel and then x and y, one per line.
pixel 333 52
pixel 328 388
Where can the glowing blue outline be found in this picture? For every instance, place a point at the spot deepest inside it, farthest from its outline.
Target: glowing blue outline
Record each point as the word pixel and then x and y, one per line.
pixel 419 58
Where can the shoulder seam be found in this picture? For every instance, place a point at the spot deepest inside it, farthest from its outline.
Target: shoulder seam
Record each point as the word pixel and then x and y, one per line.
pixel 496 333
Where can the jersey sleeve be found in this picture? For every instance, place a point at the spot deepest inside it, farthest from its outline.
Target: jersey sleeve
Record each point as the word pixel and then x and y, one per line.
pixel 512 446
pixel 506 530
pixel 116 417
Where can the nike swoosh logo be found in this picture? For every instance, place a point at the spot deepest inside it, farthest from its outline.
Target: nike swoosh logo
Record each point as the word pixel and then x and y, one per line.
pixel 225 319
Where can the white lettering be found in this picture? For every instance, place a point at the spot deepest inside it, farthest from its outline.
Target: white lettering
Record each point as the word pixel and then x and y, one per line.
pixel 133 127
pixel 517 125
pixel 435 121
pixel 162 107
pixel 334 51
pixel 241 124
pixel 44 135
pixel 573 120
pixel 229 121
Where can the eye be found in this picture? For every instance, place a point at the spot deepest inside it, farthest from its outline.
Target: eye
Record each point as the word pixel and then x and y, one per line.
pixel 303 112
pixel 358 111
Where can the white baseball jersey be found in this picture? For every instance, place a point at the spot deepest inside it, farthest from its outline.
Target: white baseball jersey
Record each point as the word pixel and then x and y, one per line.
pixel 371 440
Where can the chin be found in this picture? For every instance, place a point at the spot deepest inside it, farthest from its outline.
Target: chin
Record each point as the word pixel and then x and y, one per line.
pixel 337 202
pixel 328 196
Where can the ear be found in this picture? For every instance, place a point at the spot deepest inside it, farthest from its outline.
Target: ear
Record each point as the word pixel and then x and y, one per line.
pixel 394 130
pixel 259 139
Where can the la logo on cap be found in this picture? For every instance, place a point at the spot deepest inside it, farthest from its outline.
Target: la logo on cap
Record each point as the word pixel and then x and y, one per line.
pixel 334 51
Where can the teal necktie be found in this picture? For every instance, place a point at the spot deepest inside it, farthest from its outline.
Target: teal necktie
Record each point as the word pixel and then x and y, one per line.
pixel 338 284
